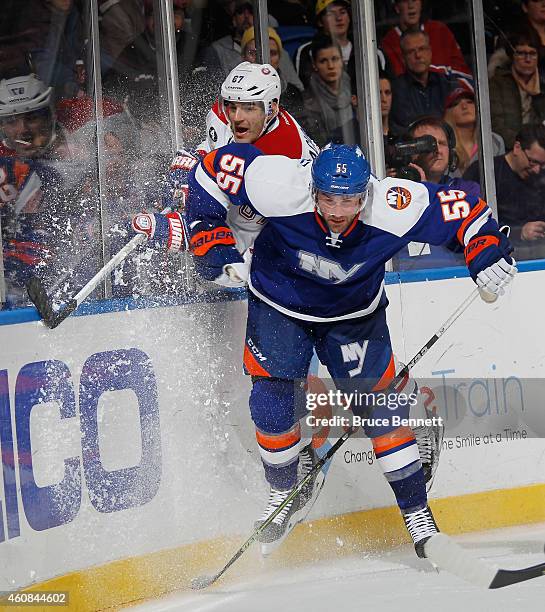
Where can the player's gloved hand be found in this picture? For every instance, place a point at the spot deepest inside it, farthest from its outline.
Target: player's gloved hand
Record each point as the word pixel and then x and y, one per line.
pixel 162 231
pixel 215 255
pixel 239 272
pixel 175 188
pixel 490 263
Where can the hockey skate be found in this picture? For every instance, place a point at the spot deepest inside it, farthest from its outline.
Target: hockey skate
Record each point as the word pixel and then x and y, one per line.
pixel 277 530
pixel 429 440
pixel 309 493
pixel 421 526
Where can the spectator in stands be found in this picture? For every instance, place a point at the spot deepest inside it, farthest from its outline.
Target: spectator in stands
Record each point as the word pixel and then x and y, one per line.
pixel 121 22
pixel 516 95
pixel 49 32
pixel 533 18
pixel 224 54
pixel 292 97
pixel 418 91
pixel 389 128
pixel 460 114
pixel 333 19
pixel 138 61
pixel 328 112
pixel 385 103
pixel 519 191
pixel 445 51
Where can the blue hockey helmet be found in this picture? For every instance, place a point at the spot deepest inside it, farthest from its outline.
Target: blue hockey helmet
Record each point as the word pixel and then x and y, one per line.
pixel 341 169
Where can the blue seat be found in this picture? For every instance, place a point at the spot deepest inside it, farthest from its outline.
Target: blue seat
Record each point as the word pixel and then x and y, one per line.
pixel 294 36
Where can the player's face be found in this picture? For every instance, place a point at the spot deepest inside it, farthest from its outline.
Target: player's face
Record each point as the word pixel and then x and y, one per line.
pixel 409 12
pixel 28 134
pixel 246 120
pixel 434 164
pixel 329 65
pixel 336 20
pixel 338 210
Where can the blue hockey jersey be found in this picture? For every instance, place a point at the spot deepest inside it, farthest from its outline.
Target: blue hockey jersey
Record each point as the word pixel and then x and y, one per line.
pixel 299 266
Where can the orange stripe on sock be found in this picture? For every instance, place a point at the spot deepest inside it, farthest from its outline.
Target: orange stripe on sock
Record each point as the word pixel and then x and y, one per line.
pixel 472 216
pixel 251 364
pixel 276 441
pixel 398 437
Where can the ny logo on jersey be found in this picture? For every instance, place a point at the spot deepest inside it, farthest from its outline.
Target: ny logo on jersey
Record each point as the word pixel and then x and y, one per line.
pixel 325 268
pixel 354 352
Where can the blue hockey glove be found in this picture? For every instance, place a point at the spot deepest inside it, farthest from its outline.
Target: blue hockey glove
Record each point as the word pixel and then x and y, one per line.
pixel 216 257
pixel 162 231
pixel 489 261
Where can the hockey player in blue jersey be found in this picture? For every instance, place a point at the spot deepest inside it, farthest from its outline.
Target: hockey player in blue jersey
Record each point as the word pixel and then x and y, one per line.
pixel 317 281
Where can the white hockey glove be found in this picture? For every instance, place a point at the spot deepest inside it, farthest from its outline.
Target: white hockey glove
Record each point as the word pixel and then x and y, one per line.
pixel 236 274
pixel 488 258
pixel 494 278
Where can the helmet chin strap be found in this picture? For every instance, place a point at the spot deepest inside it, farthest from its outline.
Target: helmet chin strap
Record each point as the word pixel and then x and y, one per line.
pixel 268 120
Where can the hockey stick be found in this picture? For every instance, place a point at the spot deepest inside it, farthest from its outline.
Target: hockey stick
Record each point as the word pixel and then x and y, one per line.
pixel 444 552
pixel 201 582
pixel 44 305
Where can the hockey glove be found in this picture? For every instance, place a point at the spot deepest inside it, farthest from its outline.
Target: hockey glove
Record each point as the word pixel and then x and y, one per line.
pixel 161 230
pixel 175 189
pixel 216 257
pixel 489 261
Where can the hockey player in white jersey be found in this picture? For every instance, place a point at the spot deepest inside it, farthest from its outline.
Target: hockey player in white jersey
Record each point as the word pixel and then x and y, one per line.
pixel 317 282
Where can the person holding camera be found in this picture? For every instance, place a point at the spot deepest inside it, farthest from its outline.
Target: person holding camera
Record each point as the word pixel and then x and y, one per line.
pixel 436 166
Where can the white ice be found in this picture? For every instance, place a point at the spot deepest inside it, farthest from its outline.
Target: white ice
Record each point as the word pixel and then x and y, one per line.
pixel 388 581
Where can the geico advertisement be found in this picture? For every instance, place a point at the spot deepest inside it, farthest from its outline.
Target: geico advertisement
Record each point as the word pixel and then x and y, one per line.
pixel 51 495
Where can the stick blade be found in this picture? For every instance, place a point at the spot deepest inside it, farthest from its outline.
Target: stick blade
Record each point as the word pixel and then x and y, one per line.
pixel 506 577
pixel 201 582
pixel 38 296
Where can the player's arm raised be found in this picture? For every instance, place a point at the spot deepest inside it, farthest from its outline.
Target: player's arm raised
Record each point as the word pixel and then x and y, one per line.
pixel 454 214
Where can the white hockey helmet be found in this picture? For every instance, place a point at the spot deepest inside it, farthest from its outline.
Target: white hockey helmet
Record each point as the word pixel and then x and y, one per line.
pixel 253 83
pixel 23 94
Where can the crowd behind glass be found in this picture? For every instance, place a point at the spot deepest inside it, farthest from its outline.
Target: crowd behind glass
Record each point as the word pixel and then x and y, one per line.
pixel 66 194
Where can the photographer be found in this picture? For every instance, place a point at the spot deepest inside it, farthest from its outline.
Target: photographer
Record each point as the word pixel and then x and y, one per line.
pixel 436 165
pixel 436 158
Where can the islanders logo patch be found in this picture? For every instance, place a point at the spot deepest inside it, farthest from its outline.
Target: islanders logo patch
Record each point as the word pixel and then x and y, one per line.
pixel 398 198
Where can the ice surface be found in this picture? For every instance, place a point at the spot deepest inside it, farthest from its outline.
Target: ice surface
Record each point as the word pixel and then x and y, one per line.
pixel 391 581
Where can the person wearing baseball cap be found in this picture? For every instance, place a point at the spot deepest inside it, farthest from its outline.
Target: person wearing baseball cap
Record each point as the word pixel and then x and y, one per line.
pixel 333 19
pixel 460 114
pixel 292 96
